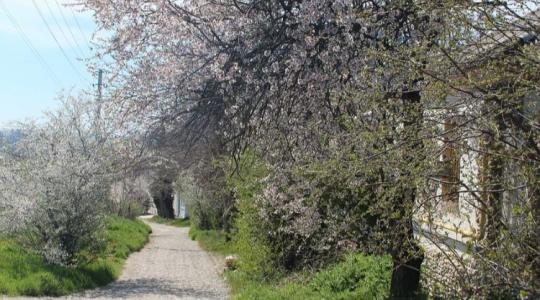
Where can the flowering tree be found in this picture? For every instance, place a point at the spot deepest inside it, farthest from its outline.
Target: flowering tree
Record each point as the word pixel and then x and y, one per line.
pixel 56 180
pixel 361 86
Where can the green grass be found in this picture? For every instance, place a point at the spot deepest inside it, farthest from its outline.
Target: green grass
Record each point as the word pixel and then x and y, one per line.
pixel 357 277
pixel 212 240
pixel 23 272
pixel 172 222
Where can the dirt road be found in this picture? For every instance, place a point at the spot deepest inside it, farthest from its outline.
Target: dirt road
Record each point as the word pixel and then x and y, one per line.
pixel 171 266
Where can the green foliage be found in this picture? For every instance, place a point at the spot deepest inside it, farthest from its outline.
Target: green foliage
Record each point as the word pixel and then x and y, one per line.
pixel 206 196
pixel 125 236
pixel 23 272
pixel 259 272
pixel 212 240
pixel 314 213
pixel 255 255
pixel 129 209
pixel 250 240
pixel 171 222
pixel 357 277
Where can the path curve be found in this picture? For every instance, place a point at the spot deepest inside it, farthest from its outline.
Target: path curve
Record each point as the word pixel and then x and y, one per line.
pixel 170 266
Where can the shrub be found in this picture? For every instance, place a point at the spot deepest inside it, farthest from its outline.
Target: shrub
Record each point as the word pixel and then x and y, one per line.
pixel 66 220
pixel 206 205
pixel 356 277
pixel 251 244
pixel 130 196
pixel 315 213
pixel 55 182
pixel 245 180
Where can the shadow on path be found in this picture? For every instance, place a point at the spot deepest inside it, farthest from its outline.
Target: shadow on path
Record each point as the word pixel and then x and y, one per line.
pixel 158 288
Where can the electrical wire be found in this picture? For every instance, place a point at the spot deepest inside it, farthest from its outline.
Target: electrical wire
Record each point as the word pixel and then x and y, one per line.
pixel 68 26
pixel 54 78
pixel 81 31
pixel 62 32
pixel 57 42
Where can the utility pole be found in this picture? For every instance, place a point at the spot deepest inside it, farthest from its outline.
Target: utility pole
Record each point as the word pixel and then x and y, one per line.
pixel 100 84
pixel 98 100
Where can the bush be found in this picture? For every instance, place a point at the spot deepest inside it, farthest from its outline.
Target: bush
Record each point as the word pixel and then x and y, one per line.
pixel 251 244
pixel 316 213
pixel 55 183
pixel 62 227
pixel 130 209
pixel 209 202
pixel 129 197
pixel 357 277
pixel 250 238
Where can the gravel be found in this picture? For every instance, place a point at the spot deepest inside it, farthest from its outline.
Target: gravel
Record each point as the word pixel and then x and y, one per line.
pixel 170 266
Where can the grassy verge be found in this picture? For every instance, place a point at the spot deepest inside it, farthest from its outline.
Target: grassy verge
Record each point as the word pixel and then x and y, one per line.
pixel 175 222
pixel 356 277
pixel 23 272
pixel 212 240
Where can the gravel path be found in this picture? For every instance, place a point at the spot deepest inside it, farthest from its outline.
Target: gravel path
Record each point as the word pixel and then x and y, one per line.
pixel 171 266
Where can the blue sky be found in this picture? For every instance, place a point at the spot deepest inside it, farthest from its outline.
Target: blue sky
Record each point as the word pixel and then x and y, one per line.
pixel 29 86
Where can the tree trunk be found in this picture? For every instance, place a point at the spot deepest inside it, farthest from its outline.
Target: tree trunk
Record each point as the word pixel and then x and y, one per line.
pixel 406 276
pixel 494 185
pixel 534 192
pixel 406 254
pixel 162 193
pixel 164 205
pixel 533 187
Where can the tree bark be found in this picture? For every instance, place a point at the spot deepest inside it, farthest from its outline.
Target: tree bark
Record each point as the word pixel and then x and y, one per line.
pixel 534 186
pixel 405 281
pixel 162 194
pixel 164 206
pixel 406 254
pixel 494 184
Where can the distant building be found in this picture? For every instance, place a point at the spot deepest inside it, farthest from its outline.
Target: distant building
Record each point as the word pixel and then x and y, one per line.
pixel 180 207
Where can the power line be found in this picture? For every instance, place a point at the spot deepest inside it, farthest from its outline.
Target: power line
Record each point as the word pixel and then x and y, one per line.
pixel 53 16
pixel 67 26
pixel 29 44
pixel 57 42
pixel 81 31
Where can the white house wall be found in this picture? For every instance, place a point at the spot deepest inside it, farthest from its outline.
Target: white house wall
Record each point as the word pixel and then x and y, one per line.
pixel 180 207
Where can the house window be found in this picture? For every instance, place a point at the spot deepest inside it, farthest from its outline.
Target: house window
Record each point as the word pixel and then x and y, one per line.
pixel 451 167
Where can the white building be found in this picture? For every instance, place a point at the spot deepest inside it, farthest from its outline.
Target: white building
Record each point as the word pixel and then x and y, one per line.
pixel 180 207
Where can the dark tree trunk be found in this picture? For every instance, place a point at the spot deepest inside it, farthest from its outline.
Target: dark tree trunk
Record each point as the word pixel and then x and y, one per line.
pixel 164 206
pixel 534 186
pixel 163 195
pixel 406 254
pixel 406 276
